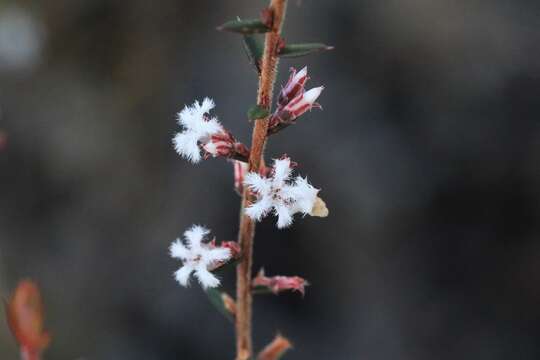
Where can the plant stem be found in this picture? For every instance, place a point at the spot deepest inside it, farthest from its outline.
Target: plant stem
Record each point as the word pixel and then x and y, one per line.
pixel 244 349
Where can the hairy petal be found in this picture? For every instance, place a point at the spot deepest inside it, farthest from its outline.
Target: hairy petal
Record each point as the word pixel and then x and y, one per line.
pixel 186 145
pixel 182 275
pixel 259 209
pixel 217 254
pixel 257 183
pixel 305 195
pixel 195 235
pixel 205 277
pixel 284 216
pixel 179 250
pixel 282 171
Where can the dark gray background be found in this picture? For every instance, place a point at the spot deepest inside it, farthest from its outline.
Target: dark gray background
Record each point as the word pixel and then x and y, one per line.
pixel 427 153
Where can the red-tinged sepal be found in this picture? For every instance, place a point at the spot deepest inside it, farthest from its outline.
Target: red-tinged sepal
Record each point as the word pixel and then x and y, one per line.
pixel 223 144
pixel 277 284
pixel 240 171
pixel 233 247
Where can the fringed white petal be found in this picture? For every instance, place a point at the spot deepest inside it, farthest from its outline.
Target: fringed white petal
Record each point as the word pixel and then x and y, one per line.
pixel 282 171
pixel 304 194
pixel 195 235
pixel 182 275
pixel 179 250
pixel 284 216
pixel 206 278
pixel 216 254
pixel 186 145
pixel 205 128
pixel 260 208
pixel 257 183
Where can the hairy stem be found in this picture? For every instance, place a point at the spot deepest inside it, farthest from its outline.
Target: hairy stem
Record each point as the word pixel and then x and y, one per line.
pixel 246 233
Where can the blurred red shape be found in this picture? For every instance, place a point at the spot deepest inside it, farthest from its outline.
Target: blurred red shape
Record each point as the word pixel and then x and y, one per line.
pixel 25 318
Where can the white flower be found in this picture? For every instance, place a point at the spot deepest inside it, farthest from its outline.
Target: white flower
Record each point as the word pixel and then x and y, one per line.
pixel 280 194
pixel 197 257
pixel 198 128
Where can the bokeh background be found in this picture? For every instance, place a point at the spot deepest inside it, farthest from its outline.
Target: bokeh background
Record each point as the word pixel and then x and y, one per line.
pixel 427 153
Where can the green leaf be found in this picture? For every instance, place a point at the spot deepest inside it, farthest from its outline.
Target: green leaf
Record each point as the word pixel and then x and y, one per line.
pixel 296 50
pixel 260 290
pixel 217 300
pixel 257 112
pixel 254 49
pixel 250 26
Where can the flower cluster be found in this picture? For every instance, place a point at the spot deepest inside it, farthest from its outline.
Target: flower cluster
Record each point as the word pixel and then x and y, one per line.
pixel 198 257
pixel 280 194
pixel 273 190
pixel 294 101
pixel 206 134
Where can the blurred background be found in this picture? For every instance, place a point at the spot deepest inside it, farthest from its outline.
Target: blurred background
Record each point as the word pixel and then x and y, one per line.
pixel 427 152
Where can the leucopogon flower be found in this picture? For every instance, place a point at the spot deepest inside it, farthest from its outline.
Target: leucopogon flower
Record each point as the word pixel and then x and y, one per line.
pixel 205 134
pixel 198 129
pixel 280 194
pixel 198 257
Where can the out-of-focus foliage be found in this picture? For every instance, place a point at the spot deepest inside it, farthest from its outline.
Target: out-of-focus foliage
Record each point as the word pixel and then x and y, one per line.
pixel 430 166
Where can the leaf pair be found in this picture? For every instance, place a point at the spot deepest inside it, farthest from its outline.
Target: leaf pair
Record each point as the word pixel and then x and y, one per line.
pixel 254 46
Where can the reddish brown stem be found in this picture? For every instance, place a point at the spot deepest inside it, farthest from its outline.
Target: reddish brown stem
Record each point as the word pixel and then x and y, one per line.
pixel 244 349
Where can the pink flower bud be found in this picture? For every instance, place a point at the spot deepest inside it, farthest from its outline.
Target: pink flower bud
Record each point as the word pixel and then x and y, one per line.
pixel 277 284
pixel 294 86
pixel 303 102
pixel 225 145
pixel 220 144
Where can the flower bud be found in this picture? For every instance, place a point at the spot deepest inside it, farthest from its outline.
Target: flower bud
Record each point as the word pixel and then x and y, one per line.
pixel 302 103
pixel 277 284
pixel 294 86
pixel 225 145
pixel 220 144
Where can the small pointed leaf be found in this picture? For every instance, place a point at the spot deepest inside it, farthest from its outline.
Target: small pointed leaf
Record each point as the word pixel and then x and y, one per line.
pixel 249 26
pixel 216 299
pixel 257 112
pixel 296 50
pixel 254 49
